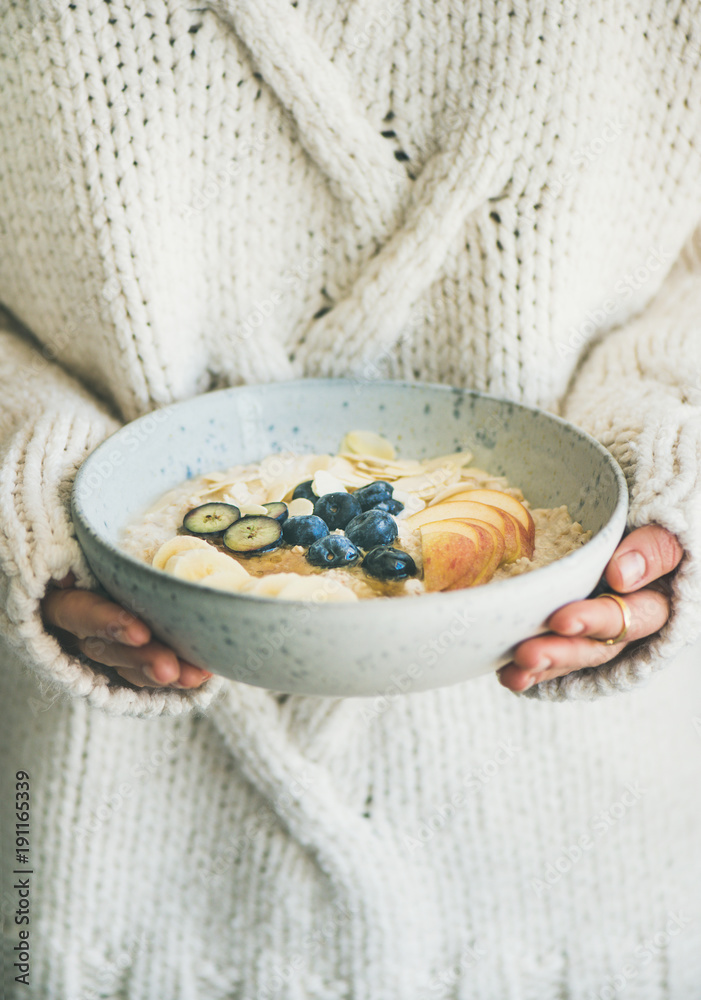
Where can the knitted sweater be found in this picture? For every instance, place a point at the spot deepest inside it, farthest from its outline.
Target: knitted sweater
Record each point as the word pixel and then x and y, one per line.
pixel 499 195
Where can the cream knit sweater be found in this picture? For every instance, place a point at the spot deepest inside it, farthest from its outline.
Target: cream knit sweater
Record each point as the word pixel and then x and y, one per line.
pixel 495 194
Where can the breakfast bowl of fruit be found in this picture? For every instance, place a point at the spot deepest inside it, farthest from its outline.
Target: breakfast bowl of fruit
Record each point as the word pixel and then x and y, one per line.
pixel 339 537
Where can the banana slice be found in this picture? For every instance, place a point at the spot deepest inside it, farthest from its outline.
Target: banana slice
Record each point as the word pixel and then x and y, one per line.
pixel 227 579
pixel 312 588
pixel 176 546
pixel 368 443
pixel 196 564
pixel 301 588
pixel 268 586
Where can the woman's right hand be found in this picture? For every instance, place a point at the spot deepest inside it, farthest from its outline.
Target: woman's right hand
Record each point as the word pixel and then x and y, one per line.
pixel 111 635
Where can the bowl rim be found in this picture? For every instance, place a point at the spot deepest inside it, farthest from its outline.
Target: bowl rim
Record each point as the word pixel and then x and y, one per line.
pixel 600 539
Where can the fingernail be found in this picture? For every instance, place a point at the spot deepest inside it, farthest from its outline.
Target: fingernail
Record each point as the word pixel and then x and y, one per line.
pixel 576 628
pixel 542 665
pixel 632 568
pixel 148 671
pixel 529 683
pixel 129 635
pixel 206 674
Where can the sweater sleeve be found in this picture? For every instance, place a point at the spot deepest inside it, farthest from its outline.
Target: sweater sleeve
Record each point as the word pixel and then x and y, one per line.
pixel 638 391
pixel 48 425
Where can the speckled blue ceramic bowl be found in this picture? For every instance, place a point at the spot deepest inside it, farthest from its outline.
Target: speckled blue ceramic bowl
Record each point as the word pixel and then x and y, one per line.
pixel 369 647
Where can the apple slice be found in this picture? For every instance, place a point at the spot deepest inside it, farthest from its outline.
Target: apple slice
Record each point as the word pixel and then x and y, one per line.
pixel 507 526
pixel 455 553
pixel 491 565
pixel 523 546
pixel 495 498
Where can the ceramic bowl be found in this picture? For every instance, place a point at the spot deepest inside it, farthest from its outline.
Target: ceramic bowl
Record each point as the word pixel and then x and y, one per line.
pixel 373 646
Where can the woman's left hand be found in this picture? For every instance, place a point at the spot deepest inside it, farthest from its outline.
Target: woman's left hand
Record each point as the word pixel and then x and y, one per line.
pixel 643 556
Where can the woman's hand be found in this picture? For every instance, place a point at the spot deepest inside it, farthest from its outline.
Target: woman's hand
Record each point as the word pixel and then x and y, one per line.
pixel 111 635
pixel 643 556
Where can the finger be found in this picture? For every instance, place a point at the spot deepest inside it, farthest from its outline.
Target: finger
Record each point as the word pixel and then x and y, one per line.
pixel 548 656
pixel 190 677
pixel 643 556
pixel 158 663
pixel 136 677
pixel 598 618
pixel 83 614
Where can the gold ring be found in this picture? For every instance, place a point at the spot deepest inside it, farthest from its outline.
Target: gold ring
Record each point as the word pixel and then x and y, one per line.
pixel 626 620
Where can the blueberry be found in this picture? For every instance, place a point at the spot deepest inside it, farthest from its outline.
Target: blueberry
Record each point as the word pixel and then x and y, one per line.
pixel 253 535
pixel 303 530
pixel 371 528
pixel 337 509
pixel 278 510
pixel 392 506
pixel 305 491
pixel 211 519
pixel 369 496
pixel 333 551
pixel 387 563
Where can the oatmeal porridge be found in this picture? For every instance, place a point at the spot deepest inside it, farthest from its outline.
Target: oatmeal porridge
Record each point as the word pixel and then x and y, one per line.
pixel 358 524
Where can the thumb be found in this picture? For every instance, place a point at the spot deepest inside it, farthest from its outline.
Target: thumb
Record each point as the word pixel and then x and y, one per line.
pixel 644 555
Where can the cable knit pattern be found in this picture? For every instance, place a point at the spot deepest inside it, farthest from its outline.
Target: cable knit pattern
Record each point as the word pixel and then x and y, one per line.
pixel 486 194
pixel 394 864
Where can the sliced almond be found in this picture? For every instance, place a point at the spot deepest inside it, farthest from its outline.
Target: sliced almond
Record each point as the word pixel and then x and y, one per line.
pixel 457 459
pixel 300 507
pixel 368 443
pixel 412 503
pixel 475 480
pixel 427 482
pixel 347 473
pixel 240 492
pixel 317 463
pixel 253 509
pixel 281 490
pixel 399 465
pixel 325 482
pixel 172 496
pixel 215 493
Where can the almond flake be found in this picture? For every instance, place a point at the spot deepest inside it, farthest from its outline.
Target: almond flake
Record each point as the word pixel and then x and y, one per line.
pixel 300 507
pixel 325 482
pixel 457 459
pixel 253 510
pixel 368 443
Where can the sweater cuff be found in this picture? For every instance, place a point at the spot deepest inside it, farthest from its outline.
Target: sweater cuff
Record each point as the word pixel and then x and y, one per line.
pixel 38 545
pixel 663 467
